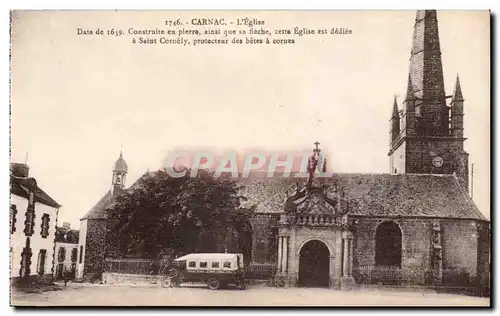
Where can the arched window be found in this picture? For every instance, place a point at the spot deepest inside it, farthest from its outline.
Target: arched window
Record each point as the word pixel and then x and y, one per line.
pixel 388 245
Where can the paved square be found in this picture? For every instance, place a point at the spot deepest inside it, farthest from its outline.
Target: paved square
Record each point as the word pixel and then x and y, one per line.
pixel 155 295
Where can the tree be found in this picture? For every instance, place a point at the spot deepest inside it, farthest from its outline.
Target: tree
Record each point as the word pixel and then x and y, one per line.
pixel 161 214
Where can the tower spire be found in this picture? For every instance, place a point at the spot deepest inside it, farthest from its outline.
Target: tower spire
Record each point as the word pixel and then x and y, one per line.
pixel 395 111
pixel 409 89
pixel 426 68
pixel 426 72
pixel 457 93
pixel 427 122
pixel 120 170
pixel 395 121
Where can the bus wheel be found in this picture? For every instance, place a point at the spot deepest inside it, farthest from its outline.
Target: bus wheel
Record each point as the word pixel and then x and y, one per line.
pixel 241 286
pixel 166 282
pixel 213 284
pixel 175 282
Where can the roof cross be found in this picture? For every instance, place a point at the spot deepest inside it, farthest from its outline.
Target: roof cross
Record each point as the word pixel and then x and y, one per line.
pixel 317 150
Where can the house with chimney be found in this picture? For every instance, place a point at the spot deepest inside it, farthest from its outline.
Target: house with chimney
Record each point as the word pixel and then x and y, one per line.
pixel 33 218
pixel 66 251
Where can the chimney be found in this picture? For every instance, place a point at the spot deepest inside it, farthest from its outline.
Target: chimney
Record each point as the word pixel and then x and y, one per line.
pixel 20 170
pixel 66 225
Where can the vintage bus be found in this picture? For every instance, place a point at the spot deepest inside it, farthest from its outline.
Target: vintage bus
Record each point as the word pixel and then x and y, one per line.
pixel 217 270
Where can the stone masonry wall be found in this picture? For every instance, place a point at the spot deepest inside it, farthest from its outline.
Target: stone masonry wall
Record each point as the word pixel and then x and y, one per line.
pixel 483 257
pixel 264 244
pixel 415 244
pixel 465 247
pixel 95 246
pixel 460 242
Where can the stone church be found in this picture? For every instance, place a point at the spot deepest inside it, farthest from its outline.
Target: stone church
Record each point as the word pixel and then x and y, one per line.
pixel 415 225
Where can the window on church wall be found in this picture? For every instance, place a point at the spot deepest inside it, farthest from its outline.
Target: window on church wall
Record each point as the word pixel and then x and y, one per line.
pixel 388 244
pixel 45 226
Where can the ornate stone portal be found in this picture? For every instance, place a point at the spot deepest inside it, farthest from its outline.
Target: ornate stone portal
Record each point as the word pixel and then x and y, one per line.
pixel 315 239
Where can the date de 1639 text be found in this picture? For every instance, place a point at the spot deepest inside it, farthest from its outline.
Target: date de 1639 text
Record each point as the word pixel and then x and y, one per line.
pixel 111 32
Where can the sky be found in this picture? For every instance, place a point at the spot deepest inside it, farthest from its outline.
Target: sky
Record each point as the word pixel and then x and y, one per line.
pixel 76 101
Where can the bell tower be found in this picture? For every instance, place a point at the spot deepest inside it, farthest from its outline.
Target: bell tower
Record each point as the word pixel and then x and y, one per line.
pixel 120 169
pixel 427 137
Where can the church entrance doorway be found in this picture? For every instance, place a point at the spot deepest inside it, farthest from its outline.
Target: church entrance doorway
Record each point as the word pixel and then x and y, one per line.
pixel 314 264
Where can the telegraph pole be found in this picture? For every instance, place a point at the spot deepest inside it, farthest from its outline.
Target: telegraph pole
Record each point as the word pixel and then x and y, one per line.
pixel 472 182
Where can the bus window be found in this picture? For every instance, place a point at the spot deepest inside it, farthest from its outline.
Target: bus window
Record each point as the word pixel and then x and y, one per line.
pixel 227 264
pixel 203 264
pixel 192 264
pixel 215 265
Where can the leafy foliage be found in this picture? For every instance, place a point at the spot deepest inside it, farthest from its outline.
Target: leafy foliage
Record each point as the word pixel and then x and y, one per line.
pixel 162 215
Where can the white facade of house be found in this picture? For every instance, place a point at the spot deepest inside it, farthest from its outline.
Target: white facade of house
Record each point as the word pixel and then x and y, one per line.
pixel 60 267
pixel 36 243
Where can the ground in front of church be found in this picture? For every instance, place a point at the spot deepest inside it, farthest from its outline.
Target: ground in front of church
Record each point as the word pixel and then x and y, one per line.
pixel 255 295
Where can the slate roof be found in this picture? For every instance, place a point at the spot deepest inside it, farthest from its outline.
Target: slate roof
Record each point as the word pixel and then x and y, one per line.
pixel 405 195
pixel 65 235
pixel 98 211
pixel 20 186
pixel 386 195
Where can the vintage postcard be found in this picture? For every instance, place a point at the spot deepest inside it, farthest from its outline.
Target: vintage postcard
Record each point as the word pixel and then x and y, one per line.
pixel 250 158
